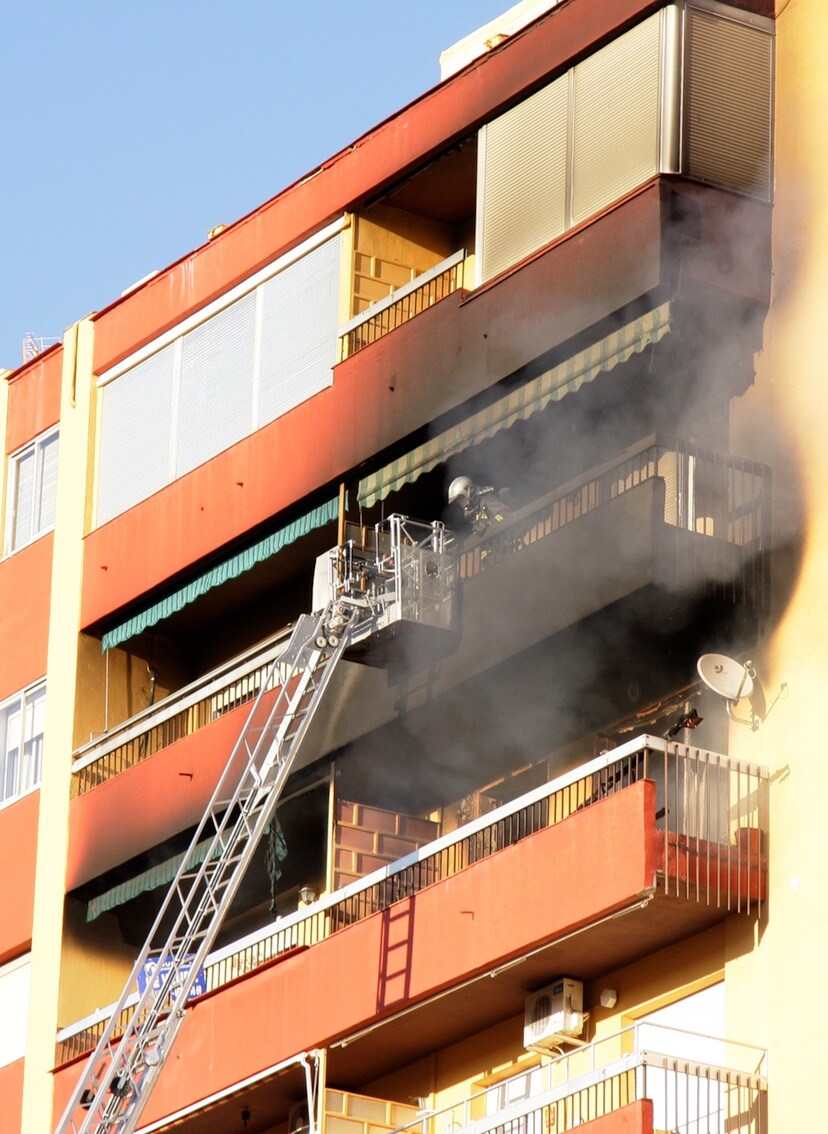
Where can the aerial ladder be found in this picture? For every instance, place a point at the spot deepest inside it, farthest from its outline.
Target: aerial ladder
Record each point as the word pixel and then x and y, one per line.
pixel 363 595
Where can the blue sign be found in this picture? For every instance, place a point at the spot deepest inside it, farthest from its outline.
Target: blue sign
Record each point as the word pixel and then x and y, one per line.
pixel 155 973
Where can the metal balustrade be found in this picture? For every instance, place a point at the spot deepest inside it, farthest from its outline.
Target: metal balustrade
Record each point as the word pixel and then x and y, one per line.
pixel 711 816
pixel 403 304
pixel 182 713
pixel 708 494
pixel 698 1084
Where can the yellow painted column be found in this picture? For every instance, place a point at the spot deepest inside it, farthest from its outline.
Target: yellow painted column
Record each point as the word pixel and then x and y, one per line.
pixel 74 475
pixel 778 994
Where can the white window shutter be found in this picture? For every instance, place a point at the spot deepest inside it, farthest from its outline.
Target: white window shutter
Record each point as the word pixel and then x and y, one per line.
pixel 216 390
pixel 134 459
pixel 523 181
pixel 299 331
pixel 616 119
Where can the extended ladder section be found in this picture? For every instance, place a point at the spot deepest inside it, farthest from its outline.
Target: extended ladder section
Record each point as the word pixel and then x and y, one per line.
pixel 364 596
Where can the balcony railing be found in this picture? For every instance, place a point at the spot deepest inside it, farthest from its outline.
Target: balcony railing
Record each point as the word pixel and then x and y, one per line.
pixel 698 1084
pixel 403 304
pixel 711 813
pixel 707 493
pixel 178 715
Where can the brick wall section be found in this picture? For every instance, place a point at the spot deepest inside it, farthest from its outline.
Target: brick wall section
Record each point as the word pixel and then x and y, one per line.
pixel 368 838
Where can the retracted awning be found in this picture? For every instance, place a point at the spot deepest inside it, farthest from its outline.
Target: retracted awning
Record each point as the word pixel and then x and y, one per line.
pixel 229 568
pixel 164 872
pixel 520 404
pixel 160 875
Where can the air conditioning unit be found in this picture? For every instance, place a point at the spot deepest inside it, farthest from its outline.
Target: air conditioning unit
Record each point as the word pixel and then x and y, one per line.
pixel 298 1120
pixel 554 1013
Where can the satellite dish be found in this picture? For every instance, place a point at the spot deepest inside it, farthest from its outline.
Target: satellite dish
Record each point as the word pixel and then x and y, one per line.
pixel 734 681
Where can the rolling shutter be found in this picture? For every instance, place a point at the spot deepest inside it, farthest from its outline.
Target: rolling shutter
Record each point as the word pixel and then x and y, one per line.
pixel 215 404
pixel 523 178
pixel 214 384
pixel 299 328
pixel 24 497
pixel 48 484
pixel 615 119
pixel 134 457
pixel 728 99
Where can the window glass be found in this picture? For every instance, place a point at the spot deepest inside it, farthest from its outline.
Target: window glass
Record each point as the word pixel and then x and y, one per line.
pixel 32 491
pixel 217 381
pixel 21 741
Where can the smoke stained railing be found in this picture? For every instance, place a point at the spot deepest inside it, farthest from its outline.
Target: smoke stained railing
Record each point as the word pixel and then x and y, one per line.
pixel 718 499
pixel 711 817
pixel 403 304
pixel 698 1084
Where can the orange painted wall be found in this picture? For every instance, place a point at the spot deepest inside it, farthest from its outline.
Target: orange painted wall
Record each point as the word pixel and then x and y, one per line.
pixel 144 805
pixel 452 110
pixel 11 1095
pixel 637 1118
pixel 427 366
pixel 25 585
pixel 34 398
pixel 603 858
pixel 18 837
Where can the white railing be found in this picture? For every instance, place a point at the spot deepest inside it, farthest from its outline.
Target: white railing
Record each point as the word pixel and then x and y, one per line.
pixel 178 715
pixel 705 857
pixel 401 305
pixel 698 1084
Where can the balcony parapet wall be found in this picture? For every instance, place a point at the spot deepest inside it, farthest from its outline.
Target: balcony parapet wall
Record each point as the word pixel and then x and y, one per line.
pixel 702 851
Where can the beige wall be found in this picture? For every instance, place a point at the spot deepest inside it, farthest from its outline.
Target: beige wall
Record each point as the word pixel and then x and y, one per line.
pixel 777 992
pixel 449 1076
pixel 95 963
pixel 391 247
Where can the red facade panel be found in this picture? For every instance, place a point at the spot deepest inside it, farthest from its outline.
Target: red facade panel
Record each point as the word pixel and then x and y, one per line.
pixel 637 1118
pixel 25 585
pixel 147 804
pixel 34 399
pixel 11 1092
pixel 491 912
pixel 18 830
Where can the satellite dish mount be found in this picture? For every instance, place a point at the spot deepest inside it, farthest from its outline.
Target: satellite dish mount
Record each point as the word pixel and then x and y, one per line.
pixel 734 682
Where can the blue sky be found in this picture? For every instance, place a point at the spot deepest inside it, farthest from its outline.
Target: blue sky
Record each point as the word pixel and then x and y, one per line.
pixel 129 129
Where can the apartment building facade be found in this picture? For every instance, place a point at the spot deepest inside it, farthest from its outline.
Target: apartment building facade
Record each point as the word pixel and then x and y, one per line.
pixel 513 882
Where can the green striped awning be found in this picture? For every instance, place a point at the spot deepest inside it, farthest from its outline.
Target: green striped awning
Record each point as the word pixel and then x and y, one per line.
pixel 164 872
pixel 229 568
pixel 520 404
pixel 160 875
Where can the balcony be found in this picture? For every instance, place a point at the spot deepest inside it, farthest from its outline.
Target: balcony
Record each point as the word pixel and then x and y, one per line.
pixel 692 1082
pixel 688 520
pixel 402 304
pixel 668 836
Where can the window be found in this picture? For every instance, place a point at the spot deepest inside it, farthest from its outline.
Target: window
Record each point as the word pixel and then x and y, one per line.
pixel 14 1009
pixel 21 741
pixel 32 491
pixel 688 90
pixel 218 377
